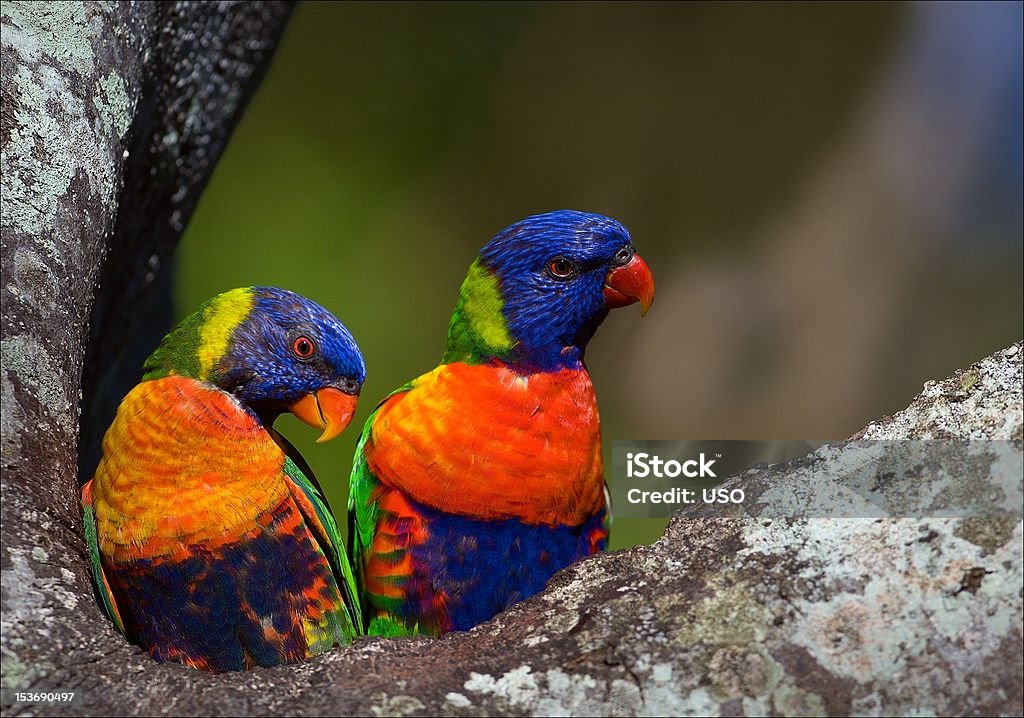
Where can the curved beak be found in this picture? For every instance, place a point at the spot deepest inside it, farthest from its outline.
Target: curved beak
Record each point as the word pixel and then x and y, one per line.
pixel 632 282
pixel 329 409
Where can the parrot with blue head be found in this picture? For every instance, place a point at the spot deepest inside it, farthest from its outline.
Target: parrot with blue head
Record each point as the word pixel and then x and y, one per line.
pixel 474 483
pixel 210 541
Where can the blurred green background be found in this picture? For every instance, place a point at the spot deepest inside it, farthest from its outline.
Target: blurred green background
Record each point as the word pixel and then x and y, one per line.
pixel 828 195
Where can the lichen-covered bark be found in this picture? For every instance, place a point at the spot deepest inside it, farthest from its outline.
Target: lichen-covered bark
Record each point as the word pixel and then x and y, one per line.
pixel 113 115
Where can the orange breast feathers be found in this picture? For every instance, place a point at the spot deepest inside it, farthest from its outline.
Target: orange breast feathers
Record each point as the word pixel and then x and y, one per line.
pixel 183 465
pixel 487 442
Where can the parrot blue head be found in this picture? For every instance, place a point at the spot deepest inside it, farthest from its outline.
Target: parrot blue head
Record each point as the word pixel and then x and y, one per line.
pixel 287 347
pixel 274 350
pixel 540 288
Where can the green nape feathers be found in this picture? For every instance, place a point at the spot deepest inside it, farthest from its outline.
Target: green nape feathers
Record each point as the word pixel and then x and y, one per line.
pixel 478 328
pixel 193 347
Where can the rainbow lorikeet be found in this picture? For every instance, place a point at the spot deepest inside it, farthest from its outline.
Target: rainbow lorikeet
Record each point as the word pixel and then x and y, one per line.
pixel 474 483
pixel 210 541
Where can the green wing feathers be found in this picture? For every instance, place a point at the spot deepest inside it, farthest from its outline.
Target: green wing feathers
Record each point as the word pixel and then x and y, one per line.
pixel 92 543
pixel 365 516
pixel 314 509
pixel 362 510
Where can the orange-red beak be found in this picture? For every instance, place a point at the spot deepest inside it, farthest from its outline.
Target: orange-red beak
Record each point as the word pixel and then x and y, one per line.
pixel 632 282
pixel 329 409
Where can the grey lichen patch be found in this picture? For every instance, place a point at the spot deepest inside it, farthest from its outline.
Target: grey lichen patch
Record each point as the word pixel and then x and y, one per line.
pixel 35 161
pixel 572 593
pixel 983 401
pixel 12 419
pixel 24 358
pixel 59 32
pixel 908 597
pixel 567 598
pixel 34 281
pixel 950 477
pixel 400 705
pixel 821 488
pixel 983 478
pixel 50 144
pixel 52 140
pixel 551 692
pixel 14 673
pixel 789 700
pixel 623 698
pixel 569 694
pixel 456 701
pixel 516 687
pixel 113 106
pixel 560 622
pixel 665 699
pixel 22 587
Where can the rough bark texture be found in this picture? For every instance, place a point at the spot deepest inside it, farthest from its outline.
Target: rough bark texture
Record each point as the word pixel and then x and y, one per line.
pixel 112 118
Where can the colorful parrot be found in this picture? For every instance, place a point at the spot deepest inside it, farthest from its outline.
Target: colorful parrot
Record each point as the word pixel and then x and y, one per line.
pixel 474 483
pixel 210 541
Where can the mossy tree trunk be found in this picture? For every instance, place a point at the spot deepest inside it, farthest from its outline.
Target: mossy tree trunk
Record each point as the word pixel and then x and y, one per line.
pixel 114 115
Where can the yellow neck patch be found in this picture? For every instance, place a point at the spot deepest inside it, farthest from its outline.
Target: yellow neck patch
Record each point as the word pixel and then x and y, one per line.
pixel 220 317
pixel 478 328
pixel 482 306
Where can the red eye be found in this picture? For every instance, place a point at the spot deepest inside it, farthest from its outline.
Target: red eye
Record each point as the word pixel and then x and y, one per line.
pixel 561 268
pixel 303 347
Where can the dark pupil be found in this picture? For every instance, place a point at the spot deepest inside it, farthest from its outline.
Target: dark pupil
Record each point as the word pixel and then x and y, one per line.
pixel 303 347
pixel 562 267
